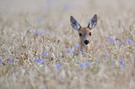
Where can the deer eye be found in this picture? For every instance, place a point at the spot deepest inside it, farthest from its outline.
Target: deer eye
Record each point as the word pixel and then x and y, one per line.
pixel 80 34
pixel 90 33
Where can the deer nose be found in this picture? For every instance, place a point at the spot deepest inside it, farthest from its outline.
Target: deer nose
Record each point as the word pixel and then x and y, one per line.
pixel 86 42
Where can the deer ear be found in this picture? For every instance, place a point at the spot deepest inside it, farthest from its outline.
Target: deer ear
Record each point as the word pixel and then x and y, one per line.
pixel 93 22
pixel 74 23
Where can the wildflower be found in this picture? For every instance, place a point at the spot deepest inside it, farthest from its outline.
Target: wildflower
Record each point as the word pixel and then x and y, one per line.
pixel 119 42
pixel 42 62
pixel 121 61
pixel 44 54
pixel 83 51
pixel 1 61
pixel 77 46
pixel 57 66
pixel 37 60
pixel 36 33
pixel 85 64
pixel 111 39
pixel 82 65
pixel 10 60
pixel 72 51
pixel 105 55
pixel 68 51
pixel 122 64
pixel 129 41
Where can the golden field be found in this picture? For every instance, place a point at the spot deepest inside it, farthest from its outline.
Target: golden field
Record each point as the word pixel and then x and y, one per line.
pixel 39 48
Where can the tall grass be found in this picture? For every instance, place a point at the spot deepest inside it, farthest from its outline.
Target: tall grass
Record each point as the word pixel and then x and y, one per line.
pixel 39 50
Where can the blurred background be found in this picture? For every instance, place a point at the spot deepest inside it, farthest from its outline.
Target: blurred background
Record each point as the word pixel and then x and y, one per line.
pixel 12 6
pixel 40 29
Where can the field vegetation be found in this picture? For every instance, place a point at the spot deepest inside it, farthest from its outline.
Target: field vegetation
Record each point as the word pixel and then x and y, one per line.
pixel 39 48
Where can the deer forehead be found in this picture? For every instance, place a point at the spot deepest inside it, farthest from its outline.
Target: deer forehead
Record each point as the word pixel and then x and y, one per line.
pixel 85 30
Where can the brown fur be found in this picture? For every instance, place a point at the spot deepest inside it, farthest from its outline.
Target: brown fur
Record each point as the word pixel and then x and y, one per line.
pixel 85 33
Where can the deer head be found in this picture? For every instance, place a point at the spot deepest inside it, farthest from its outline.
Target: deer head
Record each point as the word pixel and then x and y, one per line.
pixel 84 32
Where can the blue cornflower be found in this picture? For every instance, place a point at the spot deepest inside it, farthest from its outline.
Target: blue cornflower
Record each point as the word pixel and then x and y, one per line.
pixel 122 65
pixel 72 51
pixel 105 55
pixel 36 33
pixel 10 60
pixel 83 51
pixel 68 51
pixel 119 42
pixel 85 64
pixel 44 54
pixel 121 61
pixel 129 41
pixel 111 39
pixel 37 60
pixel 77 46
pixel 82 65
pixel 57 66
pixel 42 62
pixel 1 61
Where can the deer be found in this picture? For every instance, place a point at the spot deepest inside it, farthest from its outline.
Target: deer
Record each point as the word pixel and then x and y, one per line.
pixel 84 32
